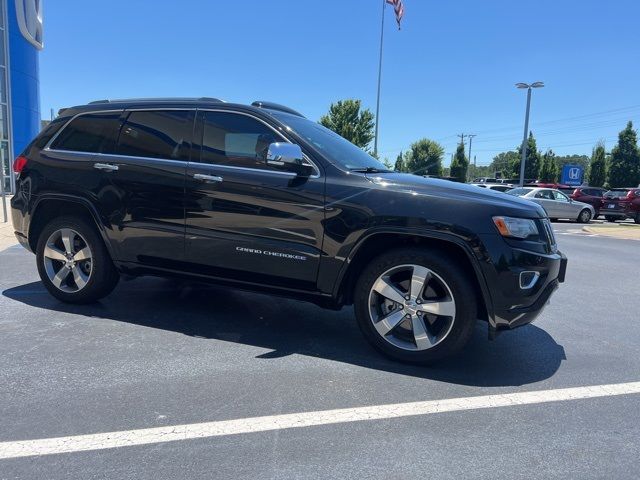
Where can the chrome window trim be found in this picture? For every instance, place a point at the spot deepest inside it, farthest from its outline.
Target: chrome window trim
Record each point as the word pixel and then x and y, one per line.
pixel 48 148
pixel 247 169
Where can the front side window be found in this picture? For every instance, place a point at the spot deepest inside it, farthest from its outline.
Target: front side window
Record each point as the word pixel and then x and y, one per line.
pixel 164 134
pixel 236 140
pixel 92 133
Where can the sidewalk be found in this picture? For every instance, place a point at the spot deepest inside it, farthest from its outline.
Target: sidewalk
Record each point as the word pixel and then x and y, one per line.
pixel 7 238
pixel 626 231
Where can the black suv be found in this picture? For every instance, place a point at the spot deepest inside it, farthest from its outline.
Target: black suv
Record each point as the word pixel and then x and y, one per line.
pixel 260 198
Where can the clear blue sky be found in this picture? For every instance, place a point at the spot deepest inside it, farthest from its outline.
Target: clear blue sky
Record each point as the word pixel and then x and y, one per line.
pixel 450 70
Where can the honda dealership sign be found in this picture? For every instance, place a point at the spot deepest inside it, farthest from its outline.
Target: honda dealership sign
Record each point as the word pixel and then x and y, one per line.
pixel 29 16
pixel 20 43
pixel 572 175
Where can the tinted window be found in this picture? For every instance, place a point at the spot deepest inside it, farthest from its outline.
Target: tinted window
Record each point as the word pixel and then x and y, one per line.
pixel 157 134
pixel 236 140
pixel 93 133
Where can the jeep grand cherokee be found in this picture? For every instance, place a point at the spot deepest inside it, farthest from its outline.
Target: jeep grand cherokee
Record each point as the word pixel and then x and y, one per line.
pixel 260 198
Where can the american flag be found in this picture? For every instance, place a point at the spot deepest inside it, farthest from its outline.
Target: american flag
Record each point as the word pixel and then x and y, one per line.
pixel 398 7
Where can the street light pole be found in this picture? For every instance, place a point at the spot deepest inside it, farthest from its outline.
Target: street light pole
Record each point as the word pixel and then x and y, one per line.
pixel 523 160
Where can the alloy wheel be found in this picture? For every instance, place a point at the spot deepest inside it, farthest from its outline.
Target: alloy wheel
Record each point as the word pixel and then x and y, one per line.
pixel 412 307
pixel 67 260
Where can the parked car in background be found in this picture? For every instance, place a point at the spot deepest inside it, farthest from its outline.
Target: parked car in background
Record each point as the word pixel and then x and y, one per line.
pixel 621 203
pixel 484 180
pixel 500 187
pixel 557 204
pixel 555 186
pixel 590 195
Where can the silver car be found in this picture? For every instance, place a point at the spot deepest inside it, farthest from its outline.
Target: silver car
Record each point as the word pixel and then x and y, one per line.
pixel 556 203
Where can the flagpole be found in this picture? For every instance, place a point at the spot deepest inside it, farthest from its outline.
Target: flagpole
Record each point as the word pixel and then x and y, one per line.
pixel 375 143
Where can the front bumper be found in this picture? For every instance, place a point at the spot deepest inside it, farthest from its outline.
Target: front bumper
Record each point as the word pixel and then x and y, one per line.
pixel 513 304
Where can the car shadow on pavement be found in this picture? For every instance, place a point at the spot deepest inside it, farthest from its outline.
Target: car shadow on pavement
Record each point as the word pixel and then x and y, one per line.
pixel 287 327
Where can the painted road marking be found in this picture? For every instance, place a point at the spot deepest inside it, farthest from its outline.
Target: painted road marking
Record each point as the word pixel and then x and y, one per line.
pixel 147 436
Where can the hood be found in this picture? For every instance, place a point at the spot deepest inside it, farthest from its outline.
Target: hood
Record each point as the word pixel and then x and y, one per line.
pixel 415 184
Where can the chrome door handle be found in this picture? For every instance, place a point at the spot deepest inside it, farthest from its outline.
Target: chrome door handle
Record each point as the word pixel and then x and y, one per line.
pixel 107 167
pixel 207 178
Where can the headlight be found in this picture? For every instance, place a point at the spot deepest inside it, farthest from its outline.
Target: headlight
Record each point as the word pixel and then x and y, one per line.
pixel 515 227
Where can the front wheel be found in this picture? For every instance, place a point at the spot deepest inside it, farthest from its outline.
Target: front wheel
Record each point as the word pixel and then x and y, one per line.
pixel 73 262
pixel 585 216
pixel 415 305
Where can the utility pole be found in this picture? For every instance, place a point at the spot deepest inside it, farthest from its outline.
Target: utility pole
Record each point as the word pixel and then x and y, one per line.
pixel 474 163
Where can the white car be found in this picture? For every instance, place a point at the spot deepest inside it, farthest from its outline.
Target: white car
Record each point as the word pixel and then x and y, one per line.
pixel 556 203
pixel 500 187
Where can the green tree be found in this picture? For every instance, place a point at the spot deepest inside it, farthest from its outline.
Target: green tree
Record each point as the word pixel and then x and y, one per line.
pixel 624 166
pixel 598 166
pixel 348 120
pixel 399 166
pixel 548 168
pixel 424 158
pixel 507 163
pixel 532 167
pixel 459 164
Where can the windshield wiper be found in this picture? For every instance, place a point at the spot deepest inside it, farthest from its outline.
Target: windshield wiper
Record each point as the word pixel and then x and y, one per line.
pixel 370 170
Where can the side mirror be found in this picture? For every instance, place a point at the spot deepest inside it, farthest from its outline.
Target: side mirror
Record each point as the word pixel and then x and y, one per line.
pixel 289 157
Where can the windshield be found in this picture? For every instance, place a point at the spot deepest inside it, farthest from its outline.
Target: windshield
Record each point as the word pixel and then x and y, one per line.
pixel 518 192
pixel 335 148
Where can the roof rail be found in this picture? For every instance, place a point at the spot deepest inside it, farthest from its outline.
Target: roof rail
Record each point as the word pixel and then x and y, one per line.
pixel 167 99
pixel 276 106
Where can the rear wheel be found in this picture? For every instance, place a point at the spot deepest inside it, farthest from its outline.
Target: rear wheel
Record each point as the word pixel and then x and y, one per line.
pixel 637 219
pixel 585 216
pixel 73 262
pixel 610 218
pixel 415 305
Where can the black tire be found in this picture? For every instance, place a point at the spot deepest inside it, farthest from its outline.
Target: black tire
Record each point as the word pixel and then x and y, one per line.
pixel 584 216
pixel 611 219
pixel 597 214
pixel 636 219
pixel 103 276
pixel 448 270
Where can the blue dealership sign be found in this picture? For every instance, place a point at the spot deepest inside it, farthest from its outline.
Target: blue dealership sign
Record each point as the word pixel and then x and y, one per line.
pixel 572 175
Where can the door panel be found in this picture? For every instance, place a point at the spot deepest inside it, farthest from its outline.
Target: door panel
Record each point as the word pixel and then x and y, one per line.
pixel 145 197
pixel 253 224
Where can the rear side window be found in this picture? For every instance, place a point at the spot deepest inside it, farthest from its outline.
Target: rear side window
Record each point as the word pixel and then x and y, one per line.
pixel 48 132
pixel 162 134
pixel 92 133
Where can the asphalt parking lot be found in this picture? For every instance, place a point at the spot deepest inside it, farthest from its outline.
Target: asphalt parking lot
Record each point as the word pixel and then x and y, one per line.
pixel 157 353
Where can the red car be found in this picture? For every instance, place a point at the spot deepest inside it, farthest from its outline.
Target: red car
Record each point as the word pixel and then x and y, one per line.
pixel 621 203
pixel 590 195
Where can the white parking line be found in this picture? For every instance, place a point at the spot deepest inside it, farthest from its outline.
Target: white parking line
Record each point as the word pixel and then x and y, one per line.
pixel 146 436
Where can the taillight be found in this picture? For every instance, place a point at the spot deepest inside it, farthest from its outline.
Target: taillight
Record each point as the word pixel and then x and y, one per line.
pixel 19 164
pixel 631 195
